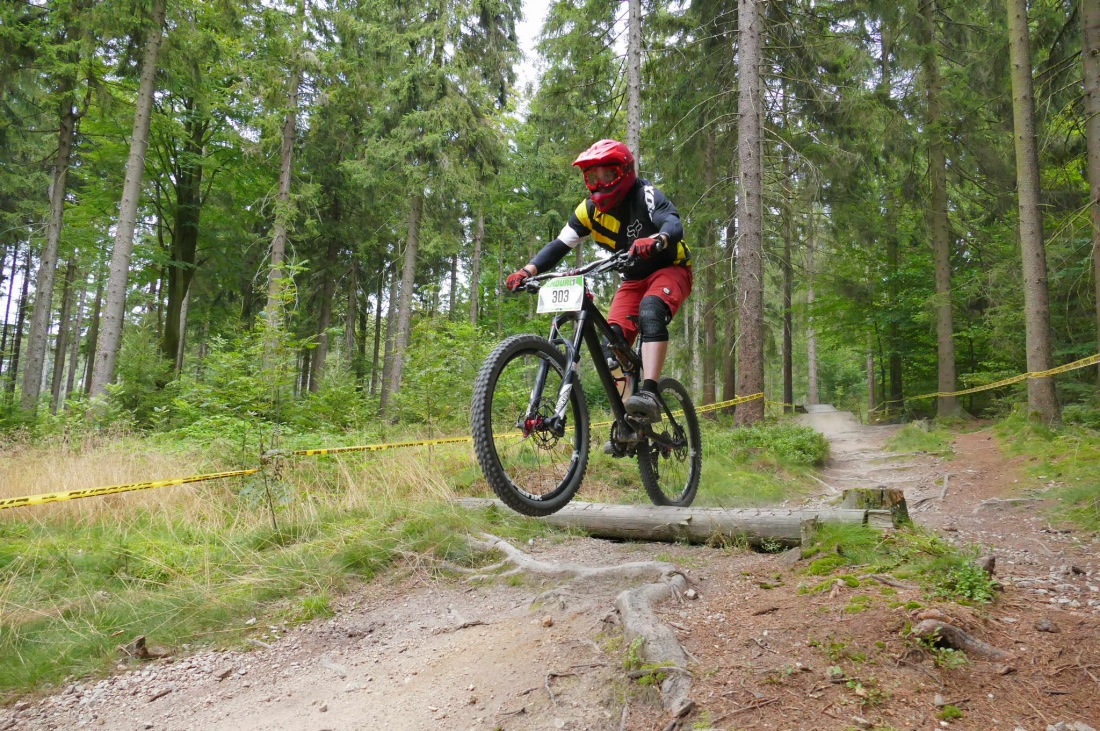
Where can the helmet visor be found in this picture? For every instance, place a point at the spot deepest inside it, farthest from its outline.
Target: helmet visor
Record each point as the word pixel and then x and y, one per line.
pixel 602 177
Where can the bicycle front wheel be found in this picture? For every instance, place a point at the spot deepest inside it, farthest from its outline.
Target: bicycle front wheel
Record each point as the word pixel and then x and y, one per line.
pixel 531 464
pixel 670 474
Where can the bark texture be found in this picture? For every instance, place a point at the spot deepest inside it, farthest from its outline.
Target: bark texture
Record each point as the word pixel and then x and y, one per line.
pixel 1041 398
pixel 1090 30
pixel 408 281
pixel 185 229
pixel 47 264
pixel 938 223
pixel 634 80
pixel 812 395
pixel 475 268
pixel 114 309
pixel 750 214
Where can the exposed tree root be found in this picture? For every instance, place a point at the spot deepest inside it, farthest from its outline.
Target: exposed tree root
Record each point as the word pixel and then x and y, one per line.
pixel 659 644
pixel 946 635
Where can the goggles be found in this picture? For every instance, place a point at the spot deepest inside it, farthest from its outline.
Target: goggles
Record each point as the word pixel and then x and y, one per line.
pixel 602 176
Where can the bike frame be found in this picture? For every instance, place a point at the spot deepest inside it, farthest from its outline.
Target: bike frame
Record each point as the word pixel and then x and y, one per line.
pixel 590 324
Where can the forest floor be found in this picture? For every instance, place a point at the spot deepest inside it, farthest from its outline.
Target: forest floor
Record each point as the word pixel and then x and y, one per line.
pixel 425 652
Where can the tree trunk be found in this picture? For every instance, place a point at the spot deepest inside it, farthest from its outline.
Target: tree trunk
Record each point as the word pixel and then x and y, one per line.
pixel 757 526
pixel 788 322
pixel 812 395
pixel 750 214
pixel 729 358
pixel 408 281
pixel 1090 30
pixel 391 341
pixel 74 341
pixel 275 283
pixel 634 80
pixel 19 321
pixel 893 331
pixel 324 317
pixel 62 336
pixel 475 268
pixel 5 336
pixel 377 330
pixel 693 331
pixel 1041 398
pixel 938 223
pixel 185 231
pixel 114 311
pixel 706 271
pixel 870 374
pixel 352 315
pixel 181 326
pixel 47 265
pixel 93 338
pixel 451 309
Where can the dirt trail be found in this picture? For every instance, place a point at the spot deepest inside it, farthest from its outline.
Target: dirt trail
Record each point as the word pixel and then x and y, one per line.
pixel 428 653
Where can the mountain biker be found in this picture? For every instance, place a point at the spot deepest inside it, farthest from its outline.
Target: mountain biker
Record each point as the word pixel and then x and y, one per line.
pixel 627 212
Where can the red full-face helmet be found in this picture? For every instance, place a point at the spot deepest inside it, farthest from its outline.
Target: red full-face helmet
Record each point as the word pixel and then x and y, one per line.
pixel 608 168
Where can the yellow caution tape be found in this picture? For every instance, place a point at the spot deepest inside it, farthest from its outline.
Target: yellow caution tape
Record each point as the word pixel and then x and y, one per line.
pixel 727 404
pixel 53 497
pixel 1082 363
pixel 373 447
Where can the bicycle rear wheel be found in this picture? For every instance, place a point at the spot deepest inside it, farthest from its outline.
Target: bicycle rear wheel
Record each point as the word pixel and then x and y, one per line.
pixel 670 475
pixel 532 468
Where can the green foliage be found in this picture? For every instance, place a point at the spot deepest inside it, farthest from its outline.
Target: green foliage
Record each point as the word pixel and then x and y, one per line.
pixel 945 571
pixel 949 713
pixel 189 576
pixel 964 581
pixel 789 444
pixel 443 360
pixel 947 658
pixel 913 438
pixel 1066 459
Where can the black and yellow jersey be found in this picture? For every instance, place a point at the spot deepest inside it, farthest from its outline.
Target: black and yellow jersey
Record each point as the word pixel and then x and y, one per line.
pixel 644 211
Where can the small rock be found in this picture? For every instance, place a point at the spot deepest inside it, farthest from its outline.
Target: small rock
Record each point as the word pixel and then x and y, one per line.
pixel 547 621
pixel 21 705
pixel 323 708
pixel 1077 570
pixel 1045 625
pixel 1003 669
pixel 224 673
pixel 250 622
pixel 691 594
pixel 987 564
pixel 148 725
pixel 862 722
pixel 938 701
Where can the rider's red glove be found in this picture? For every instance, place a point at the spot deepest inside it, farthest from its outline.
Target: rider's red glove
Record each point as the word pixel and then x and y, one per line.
pixel 516 279
pixel 647 247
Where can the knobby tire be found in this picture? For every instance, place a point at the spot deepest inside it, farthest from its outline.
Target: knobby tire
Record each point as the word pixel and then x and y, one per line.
pixel 536 474
pixel 671 477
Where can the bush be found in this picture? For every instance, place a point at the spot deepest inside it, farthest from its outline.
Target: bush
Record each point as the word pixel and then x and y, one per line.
pixel 1081 415
pixel 787 443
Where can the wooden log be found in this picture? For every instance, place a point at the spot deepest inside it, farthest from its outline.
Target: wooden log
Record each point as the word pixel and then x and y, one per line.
pixel 763 527
pixel 878 498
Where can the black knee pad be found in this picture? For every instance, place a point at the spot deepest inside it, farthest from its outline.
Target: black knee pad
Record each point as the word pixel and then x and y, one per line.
pixel 653 318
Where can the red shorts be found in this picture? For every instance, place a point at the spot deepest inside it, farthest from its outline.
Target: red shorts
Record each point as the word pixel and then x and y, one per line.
pixel 672 284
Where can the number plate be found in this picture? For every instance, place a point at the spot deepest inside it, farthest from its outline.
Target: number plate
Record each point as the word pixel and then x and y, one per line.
pixel 562 294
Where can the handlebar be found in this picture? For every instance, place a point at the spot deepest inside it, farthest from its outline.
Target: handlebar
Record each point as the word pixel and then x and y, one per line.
pixel 618 261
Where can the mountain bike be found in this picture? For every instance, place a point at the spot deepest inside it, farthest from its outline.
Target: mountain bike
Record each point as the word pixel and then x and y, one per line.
pixel 530 417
